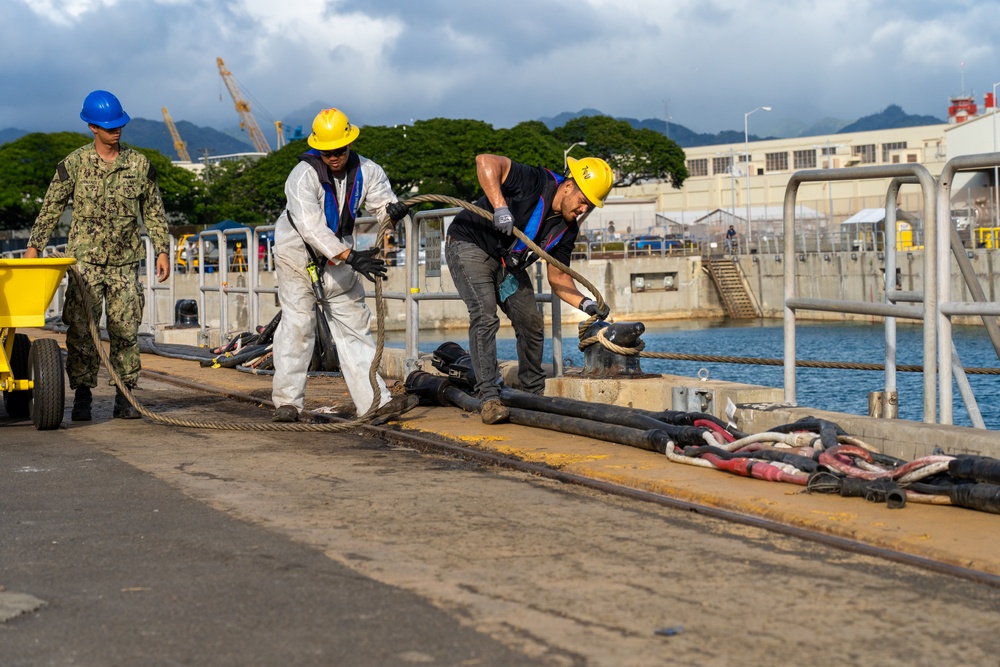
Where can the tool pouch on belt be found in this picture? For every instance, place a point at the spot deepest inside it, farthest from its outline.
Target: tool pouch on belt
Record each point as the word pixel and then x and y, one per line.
pixel 508 286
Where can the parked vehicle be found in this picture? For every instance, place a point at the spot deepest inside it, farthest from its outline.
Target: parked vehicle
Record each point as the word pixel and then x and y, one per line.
pixel 650 243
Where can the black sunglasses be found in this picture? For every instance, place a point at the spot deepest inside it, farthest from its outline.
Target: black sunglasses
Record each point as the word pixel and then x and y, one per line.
pixel 337 152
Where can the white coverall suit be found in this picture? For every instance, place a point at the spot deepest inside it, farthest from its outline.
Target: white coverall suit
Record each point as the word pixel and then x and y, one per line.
pixel 344 304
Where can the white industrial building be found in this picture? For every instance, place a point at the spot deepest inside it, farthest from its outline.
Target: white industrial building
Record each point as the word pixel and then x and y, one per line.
pixel 747 181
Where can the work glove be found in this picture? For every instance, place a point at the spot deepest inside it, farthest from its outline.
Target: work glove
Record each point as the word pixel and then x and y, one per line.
pixel 366 263
pixel 589 306
pixel 397 210
pixel 503 221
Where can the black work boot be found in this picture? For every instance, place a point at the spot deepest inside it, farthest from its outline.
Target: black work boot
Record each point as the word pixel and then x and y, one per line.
pixel 123 409
pixel 81 404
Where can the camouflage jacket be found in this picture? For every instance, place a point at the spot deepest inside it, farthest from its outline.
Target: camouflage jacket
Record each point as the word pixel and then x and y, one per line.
pixel 108 203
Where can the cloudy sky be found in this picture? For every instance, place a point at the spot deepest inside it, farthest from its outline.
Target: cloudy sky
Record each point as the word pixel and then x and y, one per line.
pixel 702 63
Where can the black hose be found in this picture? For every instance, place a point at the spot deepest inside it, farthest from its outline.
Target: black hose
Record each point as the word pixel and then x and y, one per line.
pixel 266 334
pixel 241 339
pixel 430 389
pixel 233 359
pixel 173 351
pixel 653 440
pixel 930 489
pixel 695 452
pixel 827 430
pixel 459 398
pixel 434 388
pixel 244 355
pixel 881 490
pixel 824 481
pixel 978 468
pixel 599 412
pixel 982 497
pixel 681 418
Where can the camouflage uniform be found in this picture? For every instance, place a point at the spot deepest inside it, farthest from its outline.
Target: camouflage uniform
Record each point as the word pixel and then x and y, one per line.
pixel 108 201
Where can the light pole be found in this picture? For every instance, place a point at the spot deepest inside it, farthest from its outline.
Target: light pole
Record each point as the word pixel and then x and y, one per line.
pixel 829 151
pixel 732 182
pixel 996 182
pixel 566 154
pixel 746 141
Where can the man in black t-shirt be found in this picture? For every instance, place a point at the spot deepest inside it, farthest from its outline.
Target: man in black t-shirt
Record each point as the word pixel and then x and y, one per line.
pixel 488 262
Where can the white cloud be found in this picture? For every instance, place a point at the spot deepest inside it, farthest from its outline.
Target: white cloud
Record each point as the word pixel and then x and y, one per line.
pixel 703 62
pixel 64 12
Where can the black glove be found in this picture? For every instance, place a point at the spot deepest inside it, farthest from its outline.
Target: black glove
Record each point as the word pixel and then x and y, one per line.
pixel 589 306
pixel 503 221
pixel 397 210
pixel 366 263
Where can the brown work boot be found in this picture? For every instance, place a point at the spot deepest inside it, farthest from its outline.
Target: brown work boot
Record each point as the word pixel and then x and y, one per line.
pixel 123 409
pixel 286 413
pixel 493 411
pixel 81 404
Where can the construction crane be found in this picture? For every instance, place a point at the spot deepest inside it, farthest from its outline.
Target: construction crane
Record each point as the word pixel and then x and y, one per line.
pixel 247 121
pixel 179 146
pixel 280 127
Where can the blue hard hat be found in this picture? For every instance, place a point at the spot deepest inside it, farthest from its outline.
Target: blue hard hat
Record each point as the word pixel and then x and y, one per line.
pixel 103 109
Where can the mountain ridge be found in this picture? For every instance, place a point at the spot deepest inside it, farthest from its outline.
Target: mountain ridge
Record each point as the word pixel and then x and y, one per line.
pixel 209 141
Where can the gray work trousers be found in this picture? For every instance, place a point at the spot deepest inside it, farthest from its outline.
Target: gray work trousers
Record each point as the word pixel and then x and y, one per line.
pixel 477 278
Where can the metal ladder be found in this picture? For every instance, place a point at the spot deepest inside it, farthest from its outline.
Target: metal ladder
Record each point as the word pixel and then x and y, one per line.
pixel 731 283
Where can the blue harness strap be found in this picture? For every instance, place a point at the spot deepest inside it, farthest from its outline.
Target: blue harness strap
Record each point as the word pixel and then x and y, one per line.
pixel 535 221
pixel 519 248
pixel 340 219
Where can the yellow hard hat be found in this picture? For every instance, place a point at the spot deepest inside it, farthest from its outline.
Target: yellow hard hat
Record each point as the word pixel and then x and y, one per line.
pixel 331 130
pixel 594 178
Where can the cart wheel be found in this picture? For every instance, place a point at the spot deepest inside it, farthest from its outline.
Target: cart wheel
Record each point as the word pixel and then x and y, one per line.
pixel 48 397
pixel 18 403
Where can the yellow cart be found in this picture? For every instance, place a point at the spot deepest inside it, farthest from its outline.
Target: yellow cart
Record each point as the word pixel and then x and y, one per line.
pixel 31 374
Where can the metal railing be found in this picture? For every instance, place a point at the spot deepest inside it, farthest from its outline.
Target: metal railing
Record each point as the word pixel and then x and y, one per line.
pixel 792 303
pixel 947 237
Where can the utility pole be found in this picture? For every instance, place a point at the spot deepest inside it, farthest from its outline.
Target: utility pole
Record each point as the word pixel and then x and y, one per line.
pixel 746 141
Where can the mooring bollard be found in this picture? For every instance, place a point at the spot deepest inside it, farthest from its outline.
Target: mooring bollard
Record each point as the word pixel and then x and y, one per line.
pixel 599 361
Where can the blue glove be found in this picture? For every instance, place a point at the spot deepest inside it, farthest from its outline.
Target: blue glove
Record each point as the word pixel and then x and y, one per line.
pixel 589 306
pixel 503 221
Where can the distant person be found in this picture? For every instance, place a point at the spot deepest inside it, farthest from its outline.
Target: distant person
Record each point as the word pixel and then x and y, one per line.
pixel 611 229
pixel 326 191
pixel 111 186
pixel 730 239
pixel 488 262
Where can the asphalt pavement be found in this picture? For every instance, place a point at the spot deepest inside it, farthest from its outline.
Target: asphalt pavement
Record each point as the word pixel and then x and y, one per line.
pixel 110 566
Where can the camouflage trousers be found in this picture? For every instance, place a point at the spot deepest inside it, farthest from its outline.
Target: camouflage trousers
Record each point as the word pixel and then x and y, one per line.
pixel 117 291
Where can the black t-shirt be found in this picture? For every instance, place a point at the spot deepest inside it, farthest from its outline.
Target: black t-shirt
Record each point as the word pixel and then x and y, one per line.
pixel 522 189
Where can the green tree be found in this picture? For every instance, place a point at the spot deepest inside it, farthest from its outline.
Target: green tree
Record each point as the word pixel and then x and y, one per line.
pixel 530 143
pixel 180 188
pixel 436 156
pixel 635 155
pixel 27 166
pixel 249 191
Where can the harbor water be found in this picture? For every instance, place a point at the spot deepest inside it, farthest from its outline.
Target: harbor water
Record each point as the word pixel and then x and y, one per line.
pixel 826 389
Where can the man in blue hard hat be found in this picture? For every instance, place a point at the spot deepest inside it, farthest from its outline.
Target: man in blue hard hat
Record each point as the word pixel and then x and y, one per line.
pixel 111 186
